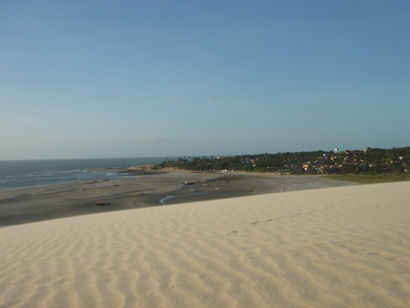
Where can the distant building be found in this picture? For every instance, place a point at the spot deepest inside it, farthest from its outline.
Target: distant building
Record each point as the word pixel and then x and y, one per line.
pixel 336 150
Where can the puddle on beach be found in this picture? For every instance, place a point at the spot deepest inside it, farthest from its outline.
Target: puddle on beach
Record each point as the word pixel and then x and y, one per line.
pixel 162 201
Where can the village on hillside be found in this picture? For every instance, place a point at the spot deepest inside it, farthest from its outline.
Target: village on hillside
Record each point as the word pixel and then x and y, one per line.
pixel 369 160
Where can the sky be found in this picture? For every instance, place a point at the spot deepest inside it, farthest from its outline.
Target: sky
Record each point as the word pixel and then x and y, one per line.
pixel 89 79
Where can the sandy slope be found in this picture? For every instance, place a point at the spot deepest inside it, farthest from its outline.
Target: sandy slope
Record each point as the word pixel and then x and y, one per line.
pixel 334 247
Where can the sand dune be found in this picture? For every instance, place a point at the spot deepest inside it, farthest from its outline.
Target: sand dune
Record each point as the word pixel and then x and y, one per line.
pixel 334 247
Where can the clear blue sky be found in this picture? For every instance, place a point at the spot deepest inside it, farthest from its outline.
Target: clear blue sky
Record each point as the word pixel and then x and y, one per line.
pixel 160 78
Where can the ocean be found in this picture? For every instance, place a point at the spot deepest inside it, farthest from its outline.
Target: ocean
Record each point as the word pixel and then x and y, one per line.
pixel 24 173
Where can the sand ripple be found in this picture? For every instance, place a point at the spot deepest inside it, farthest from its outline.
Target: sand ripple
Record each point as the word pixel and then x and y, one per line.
pixel 337 247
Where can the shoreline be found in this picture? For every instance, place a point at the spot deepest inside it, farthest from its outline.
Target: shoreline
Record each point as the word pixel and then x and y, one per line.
pixel 52 201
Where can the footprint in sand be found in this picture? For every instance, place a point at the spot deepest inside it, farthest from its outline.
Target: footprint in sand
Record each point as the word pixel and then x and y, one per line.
pixel 373 253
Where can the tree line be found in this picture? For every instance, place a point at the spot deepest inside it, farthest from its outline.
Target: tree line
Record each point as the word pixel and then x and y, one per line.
pixel 370 160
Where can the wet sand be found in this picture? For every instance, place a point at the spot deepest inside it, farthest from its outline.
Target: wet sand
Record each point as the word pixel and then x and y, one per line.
pixel 62 200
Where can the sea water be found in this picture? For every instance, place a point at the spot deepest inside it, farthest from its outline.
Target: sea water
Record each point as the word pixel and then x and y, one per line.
pixel 23 173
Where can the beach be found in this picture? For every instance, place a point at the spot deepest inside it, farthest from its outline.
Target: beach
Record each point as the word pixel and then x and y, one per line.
pixel 331 247
pixel 142 189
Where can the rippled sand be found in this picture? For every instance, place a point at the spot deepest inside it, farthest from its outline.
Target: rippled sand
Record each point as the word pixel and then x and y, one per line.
pixel 334 247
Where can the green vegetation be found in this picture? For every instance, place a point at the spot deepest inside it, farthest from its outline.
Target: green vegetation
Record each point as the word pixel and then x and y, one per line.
pixel 371 164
